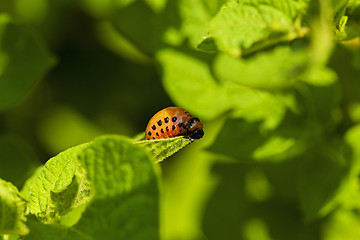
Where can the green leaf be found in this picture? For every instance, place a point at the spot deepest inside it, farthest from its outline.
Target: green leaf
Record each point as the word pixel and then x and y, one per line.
pixel 257 105
pixel 25 190
pixel 164 148
pixel 240 24
pixel 125 20
pixel 190 84
pixel 125 203
pixel 77 193
pixel 342 225
pixel 195 18
pixel 320 76
pixel 56 180
pixel 157 5
pixel 248 141
pixel 322 175
pixel 12 210
pixel 23 62
pixel 340 19
pixel 350 195
pixel 123 180
pixel 280 68
pixel 320 104
pixel 352 138
pixel 238 139
pixel 352 24
pixel 10 237
pixel 188 77
pixel 256 199
pixel 321 36
pixel 40 230
pixel 208 45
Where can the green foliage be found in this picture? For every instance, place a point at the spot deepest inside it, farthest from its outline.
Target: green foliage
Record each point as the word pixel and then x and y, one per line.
pixel 185 77
pixel 23 62
pixel 12 206
pixel 275 84
pixel 84 176
pixel 164 148
pixel 54 191
pixel 241 24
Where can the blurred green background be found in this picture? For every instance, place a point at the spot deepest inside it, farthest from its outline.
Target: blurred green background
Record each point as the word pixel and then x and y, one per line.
pixel 276 84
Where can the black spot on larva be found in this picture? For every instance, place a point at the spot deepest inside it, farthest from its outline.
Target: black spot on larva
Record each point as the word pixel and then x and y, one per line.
pixel 149 133
pixel 174 119
pixel 162 130
pixel 193 121
pixel 153 138
pixel 167 129
pixel 153 127
pixel 157 134
pixel 159 123
pixel 173 127
pixel 184 126
pixel 180 124
pixel 166 119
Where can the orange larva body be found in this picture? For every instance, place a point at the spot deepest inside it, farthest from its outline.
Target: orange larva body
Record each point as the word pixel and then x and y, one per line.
pixel 174 121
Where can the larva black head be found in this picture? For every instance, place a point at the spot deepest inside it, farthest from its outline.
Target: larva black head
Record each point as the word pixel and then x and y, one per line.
pixel 197 134
pixel 195 128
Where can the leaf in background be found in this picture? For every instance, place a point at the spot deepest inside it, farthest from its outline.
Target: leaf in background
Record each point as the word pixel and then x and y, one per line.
pixel 10 237
pixel 320 104
pixel 195 19
pixel 208 45
pixel 57 176
pixel 235 212
pixel 190 84
pixel 342 225
pixel 17 159
pixel 322 174
pixel 350 195
pixel 321 45
pixel 238 139
pixel 352 138
pixel 344 62
pixel 340 19
pixel 125 203
pixel 12 210
pixel 63 127
pixel 257 105
pixel 344 12
pixel 352 27
pixel 147 35
pixel 118 44
pixel 280 68
pixel 320 76
pixel 239 25
pixel 248 141
pixel 164 148
pixel 23 62
pixel 190 81
pixel 40 230
pixel 102 8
